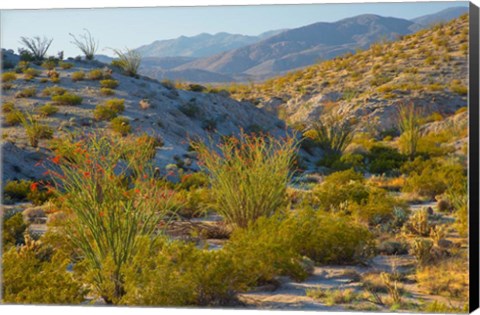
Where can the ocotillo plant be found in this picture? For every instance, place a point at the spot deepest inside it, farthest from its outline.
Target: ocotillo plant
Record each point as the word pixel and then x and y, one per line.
pixel 112 199
pixel 248 175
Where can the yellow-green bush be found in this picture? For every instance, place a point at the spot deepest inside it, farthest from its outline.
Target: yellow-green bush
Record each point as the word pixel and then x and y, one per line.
pixel 107 91
pixel 180 274
pixel 103 112
pixel 95 74
pixel 116 104
pixel 17 190
pixel 12 118
pixel 32 275
pixel 78 76
pixel 8 77
pixel 67 99
pixel 121 125
pixel 35 130
pixel 47 110
pixel 53 90
pixel 110 84
pixel 340 187
pixel 65 65
pixel 13 230
pixel 26 92
pixel 329 239
pixel 8 107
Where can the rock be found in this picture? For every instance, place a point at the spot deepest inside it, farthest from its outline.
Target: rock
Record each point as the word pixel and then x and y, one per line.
pixel 308 265
pixel 430 210
pixel 34 215
pixel 393 248
pixel 144 104
pixel 444 243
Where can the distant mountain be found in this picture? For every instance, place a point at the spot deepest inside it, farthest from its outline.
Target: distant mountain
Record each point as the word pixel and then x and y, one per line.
pixel 303 46
pixel 442 16
pixel 201 45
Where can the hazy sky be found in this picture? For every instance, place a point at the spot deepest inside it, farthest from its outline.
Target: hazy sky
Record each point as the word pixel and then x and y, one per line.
pixel 133 27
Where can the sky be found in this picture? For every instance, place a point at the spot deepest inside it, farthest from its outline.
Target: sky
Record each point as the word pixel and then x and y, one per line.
pixel 134 27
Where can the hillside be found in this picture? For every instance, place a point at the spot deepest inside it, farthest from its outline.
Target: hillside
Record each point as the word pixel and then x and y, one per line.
pixel 175 116
pixel 201 45
pixel 428 68
pixel 303 46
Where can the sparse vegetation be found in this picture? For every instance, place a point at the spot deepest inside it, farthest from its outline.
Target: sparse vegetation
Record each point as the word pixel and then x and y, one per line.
pixel 47 110
pixel 35 130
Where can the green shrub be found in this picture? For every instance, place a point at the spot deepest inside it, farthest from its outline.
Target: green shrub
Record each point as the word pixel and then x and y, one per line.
pixel 31 275
pixel 67 99
pixel 265 249
pixel 180 274
pixel 121 125
pixel 384 160
pixel 106 91
pixel 12 118
pixel 378 208
pixel 457 87
pixel 116 104
pixel 31 73
pixel 26 92
pixel 111 84
pixel 78 76
pixel 49 64
pixel 103 112
pixel 8 107
pixel 8 77
pixel 429 178
pixel 65 65
pixel 95 74
pixel 341 187
pixel 329 239
pixel 17 190
pixel 13 230
pixel 47 110
pixel 53 90
pixel 194 180
pixel 250 176
pixel 35 130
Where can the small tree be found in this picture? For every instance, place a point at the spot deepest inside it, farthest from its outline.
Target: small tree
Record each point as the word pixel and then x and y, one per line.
pixel 409 120
pixel 36 46
pixel 86 44
pixel 129 61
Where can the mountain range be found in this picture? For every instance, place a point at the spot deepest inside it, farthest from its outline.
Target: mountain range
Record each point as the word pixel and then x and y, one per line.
pixel 223 57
